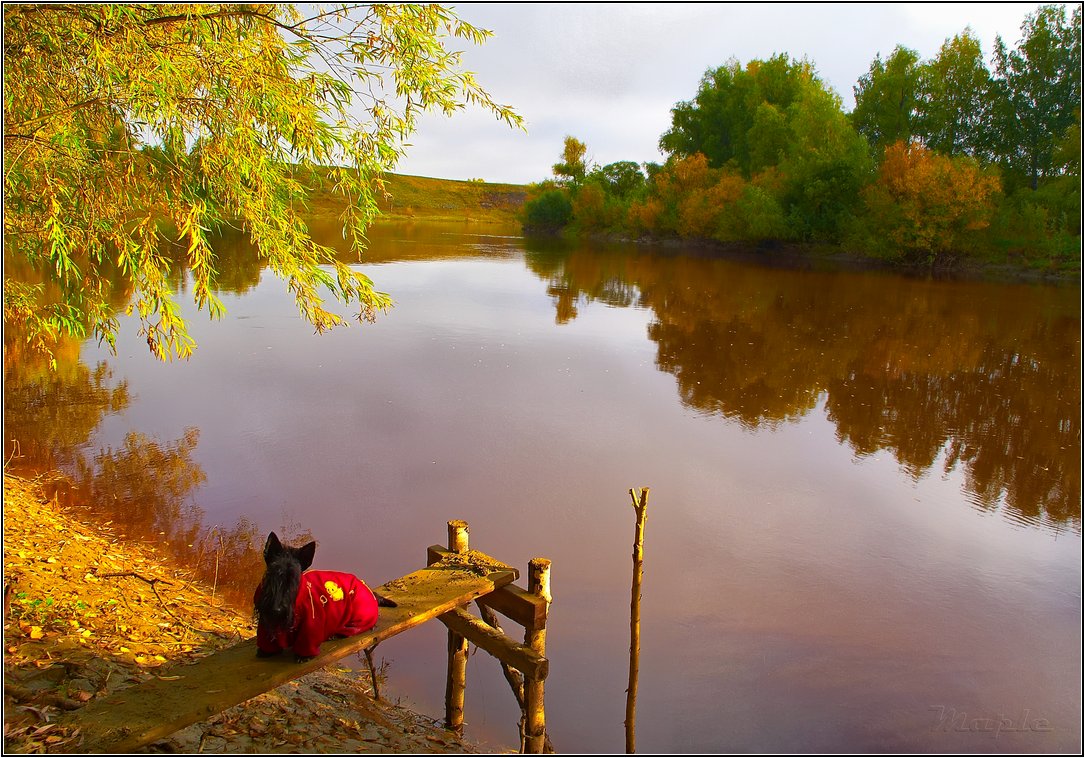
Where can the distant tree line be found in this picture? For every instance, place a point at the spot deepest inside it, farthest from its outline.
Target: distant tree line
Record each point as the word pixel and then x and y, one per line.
pixel 940 159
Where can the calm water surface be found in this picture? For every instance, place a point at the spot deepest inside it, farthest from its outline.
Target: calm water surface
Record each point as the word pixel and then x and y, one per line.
pixel 865 521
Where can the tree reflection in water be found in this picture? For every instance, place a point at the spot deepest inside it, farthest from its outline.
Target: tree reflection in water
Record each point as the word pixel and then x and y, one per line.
pixel 979 377
pixel 145 488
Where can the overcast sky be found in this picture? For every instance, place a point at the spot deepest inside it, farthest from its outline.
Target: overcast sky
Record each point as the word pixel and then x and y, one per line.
pixel 609 73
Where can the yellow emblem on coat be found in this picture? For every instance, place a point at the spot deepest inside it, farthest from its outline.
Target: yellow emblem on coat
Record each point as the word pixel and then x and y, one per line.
pixel 335 592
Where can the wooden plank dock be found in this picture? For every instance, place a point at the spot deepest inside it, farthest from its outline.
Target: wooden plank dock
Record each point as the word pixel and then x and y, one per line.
pixel 182 695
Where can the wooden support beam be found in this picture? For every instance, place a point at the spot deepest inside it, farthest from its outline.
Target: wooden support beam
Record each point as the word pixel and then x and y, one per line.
pixel 512 676
pixel 137 716
pixel 494 642
pixel 518 604
pixel 640 507
pixel 514 602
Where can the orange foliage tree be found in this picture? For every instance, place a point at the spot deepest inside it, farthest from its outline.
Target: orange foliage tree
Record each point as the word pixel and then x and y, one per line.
pixel 593 209
pixel 643 215
pixel 927 204
pixel 689 198
pixel 589 207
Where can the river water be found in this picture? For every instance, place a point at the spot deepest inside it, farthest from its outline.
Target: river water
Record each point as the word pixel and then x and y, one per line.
pixel 864 529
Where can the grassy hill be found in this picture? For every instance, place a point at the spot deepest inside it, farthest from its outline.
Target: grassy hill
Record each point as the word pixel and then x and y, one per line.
pixel 419 197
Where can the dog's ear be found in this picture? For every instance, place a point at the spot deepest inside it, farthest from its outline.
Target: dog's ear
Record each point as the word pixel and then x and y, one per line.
pixel 272 547
pixel 305 555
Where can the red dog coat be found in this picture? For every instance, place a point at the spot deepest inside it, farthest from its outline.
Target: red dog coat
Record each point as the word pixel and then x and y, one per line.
pixel 329 603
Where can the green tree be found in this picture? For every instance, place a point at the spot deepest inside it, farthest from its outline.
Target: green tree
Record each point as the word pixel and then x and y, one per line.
pixel 955 94
pixel 549 212
pixel 622 179
pixel 726 122
pixel 573 166
pixel 886 98
pixel 1038 89
pixel 773 114
pixel 824 168
pixel 122 121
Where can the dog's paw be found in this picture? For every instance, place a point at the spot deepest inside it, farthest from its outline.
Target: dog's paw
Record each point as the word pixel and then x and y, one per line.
pixel 385 602
pixel 264 654
pixel 303 658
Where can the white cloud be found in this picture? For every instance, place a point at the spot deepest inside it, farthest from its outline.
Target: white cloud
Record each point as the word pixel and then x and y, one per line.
pixel 608 73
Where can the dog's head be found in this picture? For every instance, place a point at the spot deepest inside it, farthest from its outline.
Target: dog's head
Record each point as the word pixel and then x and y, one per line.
pixel 282 577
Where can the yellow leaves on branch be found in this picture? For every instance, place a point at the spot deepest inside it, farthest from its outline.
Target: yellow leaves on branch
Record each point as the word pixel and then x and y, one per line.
pixel 129 128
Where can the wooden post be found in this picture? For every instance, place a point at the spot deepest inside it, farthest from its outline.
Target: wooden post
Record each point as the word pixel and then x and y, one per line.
pixel 538 577
pixel 456 685
pixel 641 508
pixel 459 534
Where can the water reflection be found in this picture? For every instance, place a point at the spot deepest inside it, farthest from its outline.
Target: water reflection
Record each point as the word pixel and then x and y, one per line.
pixel 802 601
pixel 944 376
pixel 974 376
pixel 149 490
pixel 145 488
pixel 49 414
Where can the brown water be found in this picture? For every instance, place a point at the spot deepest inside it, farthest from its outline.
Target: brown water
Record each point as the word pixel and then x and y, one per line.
pixel 865 522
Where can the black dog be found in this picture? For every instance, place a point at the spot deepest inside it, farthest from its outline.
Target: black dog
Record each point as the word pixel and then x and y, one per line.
pixel 300 609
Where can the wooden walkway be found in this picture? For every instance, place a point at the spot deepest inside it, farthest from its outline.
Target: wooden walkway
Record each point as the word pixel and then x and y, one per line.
pixel 184 695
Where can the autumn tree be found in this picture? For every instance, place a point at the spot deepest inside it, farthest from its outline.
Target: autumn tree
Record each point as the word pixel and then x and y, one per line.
pixel 927 205
pixel 680 191
pixel 591 209
pixel 573 166
pixel 129 126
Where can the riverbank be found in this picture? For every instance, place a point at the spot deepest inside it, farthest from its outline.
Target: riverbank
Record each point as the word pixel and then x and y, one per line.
pixel 418 198
pixel 86 614
pixel 811 255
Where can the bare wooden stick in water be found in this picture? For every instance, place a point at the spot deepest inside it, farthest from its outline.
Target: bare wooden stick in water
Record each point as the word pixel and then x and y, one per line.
pixel 372 672
pixel 640 506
